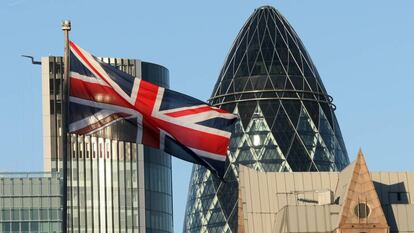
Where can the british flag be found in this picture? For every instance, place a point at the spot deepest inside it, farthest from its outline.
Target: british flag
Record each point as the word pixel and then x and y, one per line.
pixel 182 126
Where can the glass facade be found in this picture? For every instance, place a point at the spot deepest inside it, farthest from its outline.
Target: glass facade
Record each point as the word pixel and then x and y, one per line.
pixel 287 121
pixel 158 192
pixel 30 202
pixel 114 185
pixel 118 186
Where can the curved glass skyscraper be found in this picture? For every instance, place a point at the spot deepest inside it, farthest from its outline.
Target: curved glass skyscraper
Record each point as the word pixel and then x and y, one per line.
pixel 287 118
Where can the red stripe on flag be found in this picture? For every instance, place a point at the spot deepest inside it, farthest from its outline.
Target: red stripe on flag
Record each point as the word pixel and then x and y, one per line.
pixel 194 111
pixel 96 92
pixel 147 94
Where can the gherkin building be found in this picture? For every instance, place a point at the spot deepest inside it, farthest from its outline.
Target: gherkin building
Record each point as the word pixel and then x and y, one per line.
pixel 287 121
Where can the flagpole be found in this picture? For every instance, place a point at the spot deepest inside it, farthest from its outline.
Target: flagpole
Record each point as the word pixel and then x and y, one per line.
pixel 66 26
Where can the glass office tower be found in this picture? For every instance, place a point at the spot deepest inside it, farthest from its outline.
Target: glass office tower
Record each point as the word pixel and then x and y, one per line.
pixel 30 202
pixel 114 185
pixel 287 121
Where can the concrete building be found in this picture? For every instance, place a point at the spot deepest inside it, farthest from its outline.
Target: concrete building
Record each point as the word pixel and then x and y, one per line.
pixel 30 202
pixel 353 200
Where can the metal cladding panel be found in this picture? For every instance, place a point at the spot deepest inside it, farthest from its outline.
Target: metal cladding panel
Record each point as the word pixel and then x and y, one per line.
pixel 307 181
pixel 287 120
pixel 329 224
pixel 257 222
pixel 250 222
pixel 393 180
pixel 321 223
pixel 410 180
pixel 289 182
pixel 255 192
pixel 273 202
pixel 334 181
pixel 301 216
pixel 292 193
pixel 292 216
pixel 316 181
pixel 400 214
pixel 264 199
pixel 385 178
pixel 247 197
pixel 281 191
pixel 298 182
pixel 410 214
pixel 310 221
pixel 325 179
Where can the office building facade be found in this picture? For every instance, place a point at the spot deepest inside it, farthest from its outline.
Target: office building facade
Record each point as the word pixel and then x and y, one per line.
pixel 114 185
pixel 354 200
pixel 287 121
pixel 30 202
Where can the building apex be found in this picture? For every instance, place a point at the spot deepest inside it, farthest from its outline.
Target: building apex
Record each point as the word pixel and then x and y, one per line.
pixel 360 157
pixel 264 7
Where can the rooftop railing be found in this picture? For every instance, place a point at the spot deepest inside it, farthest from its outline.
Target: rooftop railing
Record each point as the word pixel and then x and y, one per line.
pixel 29 174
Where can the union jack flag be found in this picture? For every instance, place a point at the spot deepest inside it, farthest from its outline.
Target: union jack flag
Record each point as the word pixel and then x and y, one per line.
pixel 182 126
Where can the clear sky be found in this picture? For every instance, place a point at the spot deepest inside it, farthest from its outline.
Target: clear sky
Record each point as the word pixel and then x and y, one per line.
pixel 362 49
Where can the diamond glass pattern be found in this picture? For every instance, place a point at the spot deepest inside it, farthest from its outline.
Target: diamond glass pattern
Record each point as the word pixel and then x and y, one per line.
pixel 287 121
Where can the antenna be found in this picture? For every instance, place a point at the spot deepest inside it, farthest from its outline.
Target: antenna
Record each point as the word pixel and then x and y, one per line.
pixel 33 61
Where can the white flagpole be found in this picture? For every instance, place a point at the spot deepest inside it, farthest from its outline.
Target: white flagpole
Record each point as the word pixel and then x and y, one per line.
pixel 66 26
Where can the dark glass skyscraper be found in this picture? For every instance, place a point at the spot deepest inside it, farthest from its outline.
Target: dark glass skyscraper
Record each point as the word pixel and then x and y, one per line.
pixel 287 121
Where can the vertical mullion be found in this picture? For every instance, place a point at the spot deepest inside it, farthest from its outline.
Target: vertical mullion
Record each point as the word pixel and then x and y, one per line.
pixel 77 177
pixel 119 188
pixel 84 183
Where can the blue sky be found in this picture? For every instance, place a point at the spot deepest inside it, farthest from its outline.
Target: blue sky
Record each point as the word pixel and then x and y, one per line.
pixel 363 51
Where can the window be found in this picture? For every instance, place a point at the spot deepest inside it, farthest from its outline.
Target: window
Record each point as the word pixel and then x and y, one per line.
pixel 74 150
pixel 15 227
pixel 399 197
pixel 6 215
pixel 94 150
pixel 25 214
pixel 5 227
pixel 15 214
pixel 44 226
pixel 52 107
pixel 35 214
pixel 362 210
pixel 53 213
pixel 87 150
pixel 43 214
pixel 80 150
pixel 55 227
pixel 34 226
pixel 24 227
